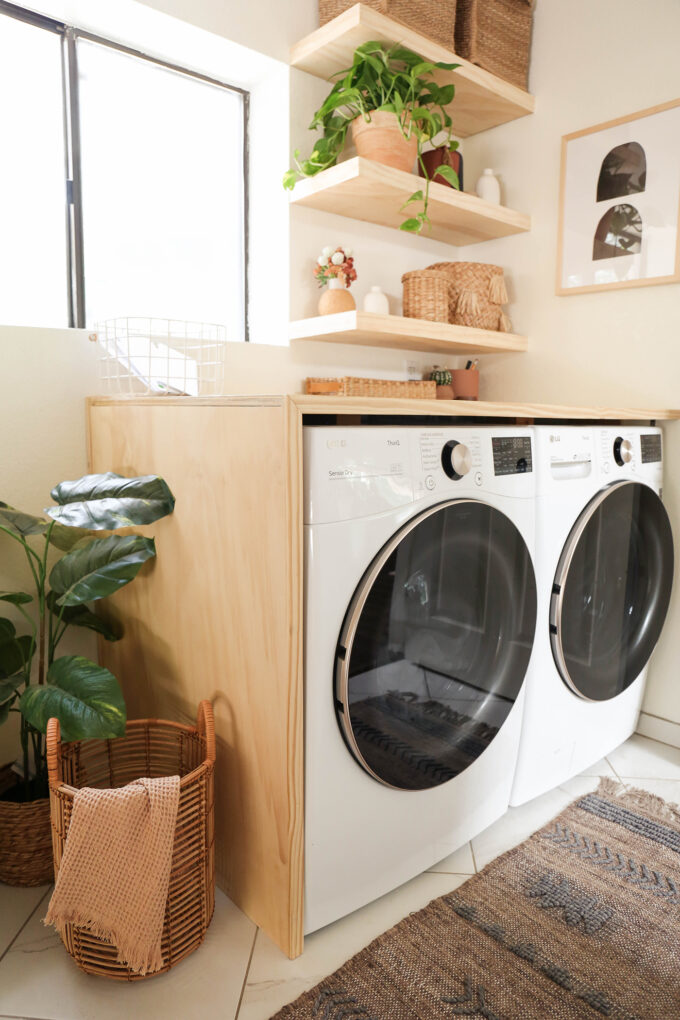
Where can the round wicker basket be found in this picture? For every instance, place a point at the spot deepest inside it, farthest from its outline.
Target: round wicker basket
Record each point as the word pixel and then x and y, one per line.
pixel 150 748
pixel 25 840
pixel 426 295
pixel 476 293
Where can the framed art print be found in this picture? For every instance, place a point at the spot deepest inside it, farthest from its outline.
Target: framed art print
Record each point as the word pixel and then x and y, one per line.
pixel 620 203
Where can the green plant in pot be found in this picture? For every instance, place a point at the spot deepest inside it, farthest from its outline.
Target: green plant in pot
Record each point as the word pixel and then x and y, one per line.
pixel 392 103
pixel 36 682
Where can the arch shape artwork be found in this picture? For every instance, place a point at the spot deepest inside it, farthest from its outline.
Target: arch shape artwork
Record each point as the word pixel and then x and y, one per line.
pixel 623 172
pixel 618 233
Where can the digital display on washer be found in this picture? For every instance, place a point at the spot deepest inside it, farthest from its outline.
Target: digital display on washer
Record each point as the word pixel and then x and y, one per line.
pixel 511 455
pixel 651 448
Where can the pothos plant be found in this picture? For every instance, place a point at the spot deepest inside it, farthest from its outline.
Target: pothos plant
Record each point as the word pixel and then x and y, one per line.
pixel 396 80
pixel 35 682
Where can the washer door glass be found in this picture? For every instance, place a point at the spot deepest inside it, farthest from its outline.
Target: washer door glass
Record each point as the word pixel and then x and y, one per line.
pixel 611 591
pixel 435 645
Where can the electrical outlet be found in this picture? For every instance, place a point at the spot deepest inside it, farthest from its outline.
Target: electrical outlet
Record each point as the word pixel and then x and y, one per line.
pixel 412 370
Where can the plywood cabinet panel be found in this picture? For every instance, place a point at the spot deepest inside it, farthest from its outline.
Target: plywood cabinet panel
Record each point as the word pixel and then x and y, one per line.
pixel 217 615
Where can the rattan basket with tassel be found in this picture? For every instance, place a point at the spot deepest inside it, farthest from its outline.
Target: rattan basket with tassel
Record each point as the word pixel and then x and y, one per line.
pixel 150 748
pixel 496 35
pixel 426 295
pixel 432 18
pixel 476 294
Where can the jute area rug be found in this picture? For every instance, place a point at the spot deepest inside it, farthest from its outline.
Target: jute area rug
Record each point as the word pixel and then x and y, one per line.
pixel 580 921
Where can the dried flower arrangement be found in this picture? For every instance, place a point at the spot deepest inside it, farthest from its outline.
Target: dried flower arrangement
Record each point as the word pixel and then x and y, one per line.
pixel 333 263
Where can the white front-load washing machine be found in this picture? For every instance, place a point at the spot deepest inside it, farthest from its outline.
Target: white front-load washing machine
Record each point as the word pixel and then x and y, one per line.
pixel 604 568
pixel 420 605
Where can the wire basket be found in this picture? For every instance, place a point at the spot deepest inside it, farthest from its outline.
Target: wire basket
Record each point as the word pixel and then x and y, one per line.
pixel 148 355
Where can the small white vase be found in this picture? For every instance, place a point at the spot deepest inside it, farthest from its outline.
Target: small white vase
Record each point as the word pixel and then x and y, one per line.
pixel 488 187
pixel 376 302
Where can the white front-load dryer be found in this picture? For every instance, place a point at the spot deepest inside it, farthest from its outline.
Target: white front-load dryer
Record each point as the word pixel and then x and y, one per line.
pixel 604 568
pixel 420 604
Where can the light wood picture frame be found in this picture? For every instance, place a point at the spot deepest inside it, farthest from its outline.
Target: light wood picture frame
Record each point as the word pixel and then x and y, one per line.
pixel 619 209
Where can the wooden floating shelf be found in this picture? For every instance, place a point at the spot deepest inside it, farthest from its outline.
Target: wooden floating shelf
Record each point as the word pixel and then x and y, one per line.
pixel 401 333
pixel 370 191
pixel 482 100
pixel 312 404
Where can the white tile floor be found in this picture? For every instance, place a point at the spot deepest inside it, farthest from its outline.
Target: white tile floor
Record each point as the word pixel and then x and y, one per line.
pixel 238 972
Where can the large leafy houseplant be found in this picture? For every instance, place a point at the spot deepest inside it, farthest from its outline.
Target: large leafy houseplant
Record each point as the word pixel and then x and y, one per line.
pixel 391 79
pixel 35 681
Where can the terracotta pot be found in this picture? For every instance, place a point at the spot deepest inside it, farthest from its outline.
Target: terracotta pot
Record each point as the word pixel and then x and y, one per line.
pixel 336 298
pixel 442 157
pixel 25 842
pixel 445 393
pixel 465 383
pixel 381 139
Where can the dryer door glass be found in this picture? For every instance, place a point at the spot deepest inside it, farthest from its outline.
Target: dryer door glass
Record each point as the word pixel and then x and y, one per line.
pixel 435 645
pixel 611 591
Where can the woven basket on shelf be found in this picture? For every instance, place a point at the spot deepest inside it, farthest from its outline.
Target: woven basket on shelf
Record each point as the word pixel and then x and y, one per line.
pixel 432 18
pixel 426 295
pixel 150 748
pixel 25 838
pixel 356 387
pixel 476 294
pixel 496 35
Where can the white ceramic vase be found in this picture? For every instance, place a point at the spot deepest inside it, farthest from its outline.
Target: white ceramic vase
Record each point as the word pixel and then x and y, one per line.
pixel 488 187
pixel 376 302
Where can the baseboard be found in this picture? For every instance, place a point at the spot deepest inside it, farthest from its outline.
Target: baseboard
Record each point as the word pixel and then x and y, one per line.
pixel 659 729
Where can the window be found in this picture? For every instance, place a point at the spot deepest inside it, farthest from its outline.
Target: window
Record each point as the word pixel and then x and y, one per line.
pixel 127 197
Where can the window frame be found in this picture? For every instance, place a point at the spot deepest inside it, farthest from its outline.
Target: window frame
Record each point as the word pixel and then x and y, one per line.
pixel 72 169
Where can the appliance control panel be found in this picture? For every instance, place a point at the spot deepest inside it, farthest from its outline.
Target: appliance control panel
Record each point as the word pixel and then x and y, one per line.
pixel 511 455
pixel 650 448
pixel 631 452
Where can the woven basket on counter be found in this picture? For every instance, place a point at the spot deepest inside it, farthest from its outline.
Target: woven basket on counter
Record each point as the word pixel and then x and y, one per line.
pixel 496 35
pixel 150 748
pixel 476 294
pixel 25 838
pixel 356 387
pixel 432 18
pixel 426 295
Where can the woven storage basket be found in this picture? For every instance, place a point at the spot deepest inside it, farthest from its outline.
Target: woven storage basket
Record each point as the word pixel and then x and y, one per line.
pixel 354 387
pixel 25 838
pixel 476 294
pixel 496 35
pixel 150 748
pixel 432 18
pixel 426 295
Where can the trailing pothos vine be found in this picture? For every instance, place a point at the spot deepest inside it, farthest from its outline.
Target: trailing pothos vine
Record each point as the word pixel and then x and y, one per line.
pixel 392 79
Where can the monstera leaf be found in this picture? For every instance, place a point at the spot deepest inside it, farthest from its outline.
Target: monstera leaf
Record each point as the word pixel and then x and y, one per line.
pixel 110 501
pixel 84 697
pixel 16 598
pixel 81 616
pixel 15 655
pixel 9 688
pixel 99 568
pixel 21 524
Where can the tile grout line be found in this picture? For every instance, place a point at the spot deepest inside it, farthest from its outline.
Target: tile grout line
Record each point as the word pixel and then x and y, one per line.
pixel 245 976
pixel 615 772
pixel 3 955
pixel 474 859
pixel 455 874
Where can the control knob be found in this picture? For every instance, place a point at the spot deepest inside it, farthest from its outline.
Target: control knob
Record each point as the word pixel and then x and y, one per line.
pixel 623 451
pixel 456 459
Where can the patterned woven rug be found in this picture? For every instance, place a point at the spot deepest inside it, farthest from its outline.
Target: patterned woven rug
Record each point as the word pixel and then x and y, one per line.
pixel 580 921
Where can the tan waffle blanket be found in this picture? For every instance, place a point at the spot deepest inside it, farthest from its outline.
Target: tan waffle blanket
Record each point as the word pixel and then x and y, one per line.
pixel 114 875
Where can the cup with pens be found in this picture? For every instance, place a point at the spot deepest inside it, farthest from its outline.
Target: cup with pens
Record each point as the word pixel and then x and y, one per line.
pixel 465 381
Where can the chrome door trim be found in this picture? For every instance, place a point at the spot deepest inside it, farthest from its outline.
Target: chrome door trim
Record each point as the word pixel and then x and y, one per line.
pixel 561 573
pixel 353 615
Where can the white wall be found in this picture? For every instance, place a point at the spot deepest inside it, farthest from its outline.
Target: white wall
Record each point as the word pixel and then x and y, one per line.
pixel 44 375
